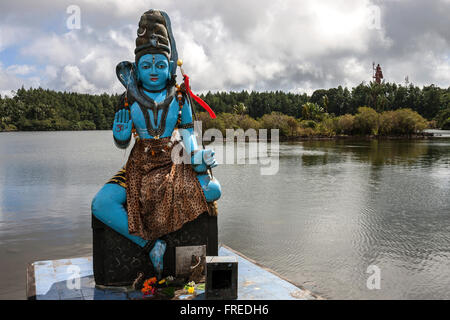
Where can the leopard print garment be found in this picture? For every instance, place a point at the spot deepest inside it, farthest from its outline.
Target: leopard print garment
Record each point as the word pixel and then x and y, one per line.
pixel 161 196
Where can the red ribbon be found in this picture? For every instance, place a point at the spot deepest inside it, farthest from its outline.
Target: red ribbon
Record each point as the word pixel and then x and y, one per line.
pixel 199 100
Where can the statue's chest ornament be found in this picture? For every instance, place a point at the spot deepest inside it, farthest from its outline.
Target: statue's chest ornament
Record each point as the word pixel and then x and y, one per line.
pixel 151 105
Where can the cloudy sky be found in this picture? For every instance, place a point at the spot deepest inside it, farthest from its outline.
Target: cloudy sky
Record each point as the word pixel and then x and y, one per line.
pixel 289 45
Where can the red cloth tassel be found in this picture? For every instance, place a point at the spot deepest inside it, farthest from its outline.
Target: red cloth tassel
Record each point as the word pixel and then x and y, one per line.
pixel 199 100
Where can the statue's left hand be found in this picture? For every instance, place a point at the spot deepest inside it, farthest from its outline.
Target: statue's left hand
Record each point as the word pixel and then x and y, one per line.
pixel 204 159
pixel 208 158
pixel 122 125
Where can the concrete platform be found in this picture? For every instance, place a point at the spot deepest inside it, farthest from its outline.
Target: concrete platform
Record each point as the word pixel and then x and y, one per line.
pixel 58 280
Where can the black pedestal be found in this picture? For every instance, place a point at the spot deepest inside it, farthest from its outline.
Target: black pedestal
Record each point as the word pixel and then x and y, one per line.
pixel 118 261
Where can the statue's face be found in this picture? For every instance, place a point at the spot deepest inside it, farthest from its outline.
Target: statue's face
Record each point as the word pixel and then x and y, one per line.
pixel 153 71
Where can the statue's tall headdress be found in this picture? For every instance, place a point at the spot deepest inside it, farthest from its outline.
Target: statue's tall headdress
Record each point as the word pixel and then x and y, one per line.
pixel 154 35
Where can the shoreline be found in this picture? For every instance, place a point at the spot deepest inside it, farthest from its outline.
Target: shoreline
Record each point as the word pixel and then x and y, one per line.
pixel 423 136
pixel 417 136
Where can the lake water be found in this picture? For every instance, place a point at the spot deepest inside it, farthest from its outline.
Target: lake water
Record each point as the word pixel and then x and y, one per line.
pixel 333 209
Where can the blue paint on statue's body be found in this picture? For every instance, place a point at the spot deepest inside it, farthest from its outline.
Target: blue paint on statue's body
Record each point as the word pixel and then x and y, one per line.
pixel 108 206
pixel 171 119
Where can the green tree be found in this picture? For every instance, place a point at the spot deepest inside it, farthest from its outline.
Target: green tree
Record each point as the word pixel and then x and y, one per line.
pixel 312 111
pixel 240 109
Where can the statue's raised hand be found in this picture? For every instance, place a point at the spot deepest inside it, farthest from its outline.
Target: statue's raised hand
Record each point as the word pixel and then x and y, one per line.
pixel 122 127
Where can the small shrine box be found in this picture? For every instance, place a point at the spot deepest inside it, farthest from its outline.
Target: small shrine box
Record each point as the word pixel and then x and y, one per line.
pixel 221 277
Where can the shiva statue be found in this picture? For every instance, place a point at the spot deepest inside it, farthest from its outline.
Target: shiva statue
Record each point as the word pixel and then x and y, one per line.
pixel 152 195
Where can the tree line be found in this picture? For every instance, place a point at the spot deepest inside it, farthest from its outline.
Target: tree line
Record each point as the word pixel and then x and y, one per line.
pixel 431 102
pixel 42 110
pixel 39 109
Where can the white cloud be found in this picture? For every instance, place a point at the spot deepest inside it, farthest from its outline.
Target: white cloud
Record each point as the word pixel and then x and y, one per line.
pixel 12 35
pixel 232 45
pixel 75 81
pixel 11 80
pixel 21 69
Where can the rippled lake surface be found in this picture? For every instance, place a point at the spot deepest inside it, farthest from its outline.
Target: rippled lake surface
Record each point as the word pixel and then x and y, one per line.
pixel 333 209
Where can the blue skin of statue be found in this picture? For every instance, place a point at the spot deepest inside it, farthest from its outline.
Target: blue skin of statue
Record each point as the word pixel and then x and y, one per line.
pixel 108 205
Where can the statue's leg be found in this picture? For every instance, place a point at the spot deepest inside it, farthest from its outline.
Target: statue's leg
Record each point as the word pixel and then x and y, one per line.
pixel 108 207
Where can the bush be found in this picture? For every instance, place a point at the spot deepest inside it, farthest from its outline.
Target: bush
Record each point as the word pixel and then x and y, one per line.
pixel 408 122
pixel 326 128
pixel 7 127
pixel 308 124
pixel 305 132
pixel 345 124
pixel 208 123
pixel 366 121
pixel 446 124
pixel 387 123
pixel 245 122
pixel 401 121
pixel 286 124
pixel 86 125
pixel 432 124
pixel 227 121
pixel 443 119
pixel 61 124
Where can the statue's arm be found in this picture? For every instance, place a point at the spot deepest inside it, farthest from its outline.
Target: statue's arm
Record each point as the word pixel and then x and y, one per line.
pixel 200 159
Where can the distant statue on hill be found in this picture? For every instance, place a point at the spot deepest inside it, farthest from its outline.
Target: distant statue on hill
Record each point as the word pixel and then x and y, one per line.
pixel 378 74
